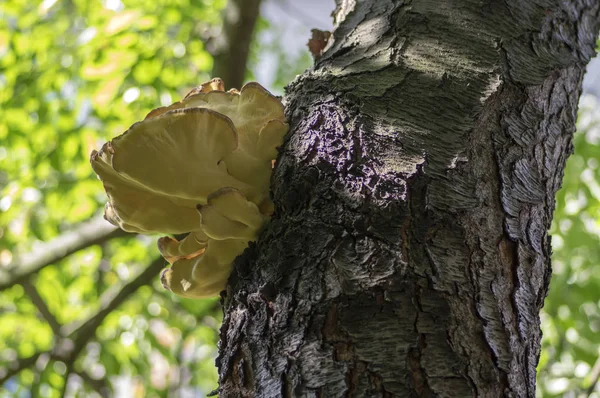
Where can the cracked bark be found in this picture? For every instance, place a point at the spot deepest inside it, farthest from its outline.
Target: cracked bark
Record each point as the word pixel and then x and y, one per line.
pixel 409 253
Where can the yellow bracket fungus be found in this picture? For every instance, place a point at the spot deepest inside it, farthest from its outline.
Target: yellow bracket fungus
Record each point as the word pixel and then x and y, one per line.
pixel 201 166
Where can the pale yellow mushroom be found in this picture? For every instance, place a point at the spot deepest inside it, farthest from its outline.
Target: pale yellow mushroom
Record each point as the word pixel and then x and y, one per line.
pixel 179 154
pixel 147 174
pixel 191 246
pixel 252 162
pixel 229 215
pixel 259 119
pixel 249 109
pixel 135 208
pixel 201 166
pixel 270 138
pixel 204 275
pixel 215 84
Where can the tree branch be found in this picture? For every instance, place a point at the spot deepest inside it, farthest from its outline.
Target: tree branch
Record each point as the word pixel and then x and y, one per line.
pixel 85 235
pixel 40 304
pixel 232 46
pixel 79 334
pixel 97 385
pixel 595 376
pixel 109 302
pixel 17 366
pixel 63 389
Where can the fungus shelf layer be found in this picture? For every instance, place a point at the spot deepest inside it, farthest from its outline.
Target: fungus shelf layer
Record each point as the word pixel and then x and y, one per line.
pixel 200 166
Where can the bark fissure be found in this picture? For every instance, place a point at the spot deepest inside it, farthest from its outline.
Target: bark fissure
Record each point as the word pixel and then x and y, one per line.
pixel 409 253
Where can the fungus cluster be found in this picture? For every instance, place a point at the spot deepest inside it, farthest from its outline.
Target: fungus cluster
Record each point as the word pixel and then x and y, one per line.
pixel 200 166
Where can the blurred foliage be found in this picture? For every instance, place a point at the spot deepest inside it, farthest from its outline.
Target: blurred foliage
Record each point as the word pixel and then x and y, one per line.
pixel 76 73
pixel 571 314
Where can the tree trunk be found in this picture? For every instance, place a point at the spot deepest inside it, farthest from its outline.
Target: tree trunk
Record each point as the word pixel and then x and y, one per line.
pixel 409 254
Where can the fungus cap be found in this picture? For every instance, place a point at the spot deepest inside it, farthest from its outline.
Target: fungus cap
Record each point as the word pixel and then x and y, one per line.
pixel 204 275
pixel 134 207
pixel 229 215
pixel 258 117
pixel 191 246
pixel 162 168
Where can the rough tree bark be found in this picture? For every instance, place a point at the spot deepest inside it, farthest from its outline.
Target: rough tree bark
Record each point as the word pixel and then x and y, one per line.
pixel 409 254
